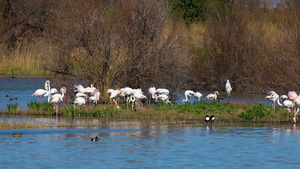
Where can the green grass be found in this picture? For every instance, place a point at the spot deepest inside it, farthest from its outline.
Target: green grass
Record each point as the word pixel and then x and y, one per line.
pixel 257 112
pixel 13 107
pixel 89 111
pixel 37 106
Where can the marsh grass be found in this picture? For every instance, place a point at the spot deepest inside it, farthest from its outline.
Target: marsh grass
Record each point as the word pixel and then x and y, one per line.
pixel 13 107
pixel 11 124
pixel 38 106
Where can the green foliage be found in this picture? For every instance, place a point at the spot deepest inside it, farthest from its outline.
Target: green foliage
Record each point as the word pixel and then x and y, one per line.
pixel 190 10
pixel 165 107
pixel 75 111
pixel 214 107
pixel 12 107
pixel 37 106
pixel 198 107
pixel 256 112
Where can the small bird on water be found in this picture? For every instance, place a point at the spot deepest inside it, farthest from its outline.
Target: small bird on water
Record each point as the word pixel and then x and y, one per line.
pixel 95 139
pixel 17 134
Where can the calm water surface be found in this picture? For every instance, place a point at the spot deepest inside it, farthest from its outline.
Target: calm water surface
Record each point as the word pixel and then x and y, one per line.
pixel 134 145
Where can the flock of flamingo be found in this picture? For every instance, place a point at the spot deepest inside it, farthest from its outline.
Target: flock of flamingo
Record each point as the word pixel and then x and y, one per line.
pixel 133 96
pixel 291 101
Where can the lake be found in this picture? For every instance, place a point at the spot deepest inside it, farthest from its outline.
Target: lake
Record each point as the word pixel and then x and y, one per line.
pixel 140 145
pixel 134 144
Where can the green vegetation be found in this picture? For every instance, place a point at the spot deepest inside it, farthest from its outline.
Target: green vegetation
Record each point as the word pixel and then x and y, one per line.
pixel 13 107
pixel 256 112
pixel 90 111
pixel 38 106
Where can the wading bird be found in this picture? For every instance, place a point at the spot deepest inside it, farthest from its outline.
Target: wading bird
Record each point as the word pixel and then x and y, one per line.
pixel 287 104
pixel 188 94
pixel 41 92
pixel 198 96
pixel 213 96
pixel 58 97
pixel 228 89
pixel 273 96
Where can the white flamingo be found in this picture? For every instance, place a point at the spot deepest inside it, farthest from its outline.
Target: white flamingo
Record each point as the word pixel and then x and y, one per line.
pixel 228 89
pixel 297 104
pixel 163 91
pixel 152 92
pixel 41 92
pixel 187 94
pixel 213 96
pixel 273 96
pixel 138 97
pixel 287 104
pixel 198 96
pixel 164 98
pixel 113 95
pixel 59 97
pixel 95 97
pixel 79 101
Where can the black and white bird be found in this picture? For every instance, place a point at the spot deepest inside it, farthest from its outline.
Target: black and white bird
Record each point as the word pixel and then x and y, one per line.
pixel 210 118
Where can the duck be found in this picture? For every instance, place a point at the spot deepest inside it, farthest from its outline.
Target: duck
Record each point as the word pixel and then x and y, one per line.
pixel 95 139
pixel 17 134
pixel 14 98
pixel 210 118
pixel 6 95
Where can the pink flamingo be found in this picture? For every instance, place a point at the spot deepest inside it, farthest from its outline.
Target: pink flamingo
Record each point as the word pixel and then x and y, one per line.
pixel 58 98
pixel 41 92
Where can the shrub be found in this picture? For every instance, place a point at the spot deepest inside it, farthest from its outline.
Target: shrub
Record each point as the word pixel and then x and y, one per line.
pixel 12 107
pixel 256 112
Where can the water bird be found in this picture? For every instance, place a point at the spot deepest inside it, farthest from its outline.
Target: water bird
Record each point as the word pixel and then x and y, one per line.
pixel 228 89
pixel 14 98
pixel 198 96
pixel 286 103
pixel 213 96
pixel 95 139
pixel 17 134
pixel 6 95
pixel 273 96
pixel 41 92
pixel 187 94
pixel 210 118
pixel 59 97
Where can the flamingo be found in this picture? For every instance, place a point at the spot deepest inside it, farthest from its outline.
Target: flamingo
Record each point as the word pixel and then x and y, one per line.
pixel 152 92
pixel 297 103
pixel 164 98
pixel 163 91
pixel 95 97
pixel 287 104
pixel 59 97
pixel 113 95
pixel 138 96
pixel 198 95
pixel 79 101
pixel 126 92
pixel 187 93
pixel 228 89
pixel 41 92
pixel 273 96
pixel 213 96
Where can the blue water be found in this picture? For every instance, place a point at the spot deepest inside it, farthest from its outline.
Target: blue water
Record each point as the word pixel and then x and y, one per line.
pixel 22 88
pixel 154 146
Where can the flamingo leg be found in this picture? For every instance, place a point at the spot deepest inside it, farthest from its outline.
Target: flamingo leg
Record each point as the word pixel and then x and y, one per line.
pixel 40 98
